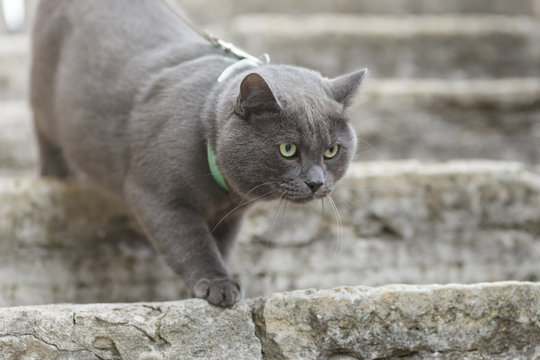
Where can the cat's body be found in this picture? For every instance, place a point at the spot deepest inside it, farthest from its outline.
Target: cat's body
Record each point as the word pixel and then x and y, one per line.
pixel 124 93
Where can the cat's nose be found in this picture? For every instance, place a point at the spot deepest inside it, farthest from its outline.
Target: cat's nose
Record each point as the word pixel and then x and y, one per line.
pixel 314 185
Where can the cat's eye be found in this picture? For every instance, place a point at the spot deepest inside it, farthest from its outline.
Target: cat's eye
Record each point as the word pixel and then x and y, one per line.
pixel 331 152
pixel 287 149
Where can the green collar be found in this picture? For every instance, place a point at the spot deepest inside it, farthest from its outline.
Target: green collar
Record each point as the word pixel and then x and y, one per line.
pixel 212 163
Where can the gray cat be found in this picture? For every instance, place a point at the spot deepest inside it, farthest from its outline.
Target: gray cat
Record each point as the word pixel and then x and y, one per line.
pixel 125 94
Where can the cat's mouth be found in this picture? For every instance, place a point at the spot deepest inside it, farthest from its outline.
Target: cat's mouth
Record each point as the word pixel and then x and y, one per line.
pixel 303 198
pixel 299 200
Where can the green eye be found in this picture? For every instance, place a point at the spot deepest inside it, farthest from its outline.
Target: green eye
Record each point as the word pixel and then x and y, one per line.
pixel 330 153
pixel 287 149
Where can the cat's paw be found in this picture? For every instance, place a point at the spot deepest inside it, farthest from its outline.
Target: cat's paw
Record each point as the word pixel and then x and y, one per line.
pixel 222 292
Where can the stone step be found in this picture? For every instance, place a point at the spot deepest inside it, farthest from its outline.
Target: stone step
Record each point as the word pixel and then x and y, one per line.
pixel 413 46
pixel 443 120
pixel 400 222
pixel 18 149
pixel 225 9
pixel 222 10
pixel 480 321
pixel 395 119
pixel 427 46
pixel 14 66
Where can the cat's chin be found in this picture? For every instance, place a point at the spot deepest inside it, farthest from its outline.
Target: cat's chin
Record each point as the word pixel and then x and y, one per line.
pixel 299 200
pixel 303 199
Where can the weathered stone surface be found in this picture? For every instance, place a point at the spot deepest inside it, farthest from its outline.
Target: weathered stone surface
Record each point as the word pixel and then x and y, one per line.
pixel 486 321
pixel 481 321
pixel 70 243
pixel 411 46
pixel 401 222
pixel 155 331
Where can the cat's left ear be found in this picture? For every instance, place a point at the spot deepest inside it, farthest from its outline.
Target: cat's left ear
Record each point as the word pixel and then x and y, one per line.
pixel 255 96
pixel 345 87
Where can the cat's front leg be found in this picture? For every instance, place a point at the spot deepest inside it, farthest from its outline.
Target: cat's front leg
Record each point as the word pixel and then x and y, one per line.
pixel 226 233
pixel 183 238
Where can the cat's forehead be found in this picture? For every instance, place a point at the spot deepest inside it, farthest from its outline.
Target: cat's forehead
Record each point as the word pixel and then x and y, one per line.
pixel 310 108
pixel 304 122
pixel 288 82
pixel 309 114
pixel 302 93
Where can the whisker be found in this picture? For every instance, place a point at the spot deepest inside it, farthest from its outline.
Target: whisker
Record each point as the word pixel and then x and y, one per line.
pixel 284 215
pixel 339 223
pixel 256 187
pixel 238 207
pixel 360 155
pixel 371 147
pixel 222 171
pixel 275 211
pixel 350 205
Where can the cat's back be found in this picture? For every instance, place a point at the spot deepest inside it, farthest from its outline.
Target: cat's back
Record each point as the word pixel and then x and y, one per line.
pixel 90 59
pixel 147 23
pixel 104 35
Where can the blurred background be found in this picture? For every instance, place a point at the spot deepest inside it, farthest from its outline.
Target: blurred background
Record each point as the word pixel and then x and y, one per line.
pixel 448 79
pixel 455 79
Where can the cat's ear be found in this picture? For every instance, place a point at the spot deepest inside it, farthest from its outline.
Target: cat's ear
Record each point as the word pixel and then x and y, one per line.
pixel 345 87
pixel 255 96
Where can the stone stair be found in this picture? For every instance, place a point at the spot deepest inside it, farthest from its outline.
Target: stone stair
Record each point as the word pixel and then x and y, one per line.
pixel 396 119
pixel 449 80
pixel 14 65
pixel 440 46
pixel 415 322
pixel 401 222
pixel 18 148
pixel 218 11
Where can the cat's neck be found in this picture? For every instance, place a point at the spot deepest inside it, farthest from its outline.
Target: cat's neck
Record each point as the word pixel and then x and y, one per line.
pixel 220 101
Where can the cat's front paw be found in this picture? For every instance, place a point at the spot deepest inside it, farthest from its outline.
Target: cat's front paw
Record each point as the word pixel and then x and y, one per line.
pixel 220 292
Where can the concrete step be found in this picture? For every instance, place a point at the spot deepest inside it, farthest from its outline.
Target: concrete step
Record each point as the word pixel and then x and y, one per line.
pixel 402 222
pixel 219 11
pixel 480 321
pixel 413 46
pixel 395 119
pixel 212 11
pixel 225 9
pixel 14 66
pixel 443 120
pixel 427 46
pixel 18 149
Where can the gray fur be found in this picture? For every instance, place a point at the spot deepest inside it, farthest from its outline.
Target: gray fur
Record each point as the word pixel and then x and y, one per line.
pixel 125 95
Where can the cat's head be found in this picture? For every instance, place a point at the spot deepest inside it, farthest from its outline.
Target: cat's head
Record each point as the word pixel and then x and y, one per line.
pixel 283 132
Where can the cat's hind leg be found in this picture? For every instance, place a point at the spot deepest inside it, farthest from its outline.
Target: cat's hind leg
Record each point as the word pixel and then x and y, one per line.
pixel 51 158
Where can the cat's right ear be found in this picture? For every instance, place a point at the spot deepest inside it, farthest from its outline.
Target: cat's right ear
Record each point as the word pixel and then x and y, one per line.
pixel 345 87
pixel 255 97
